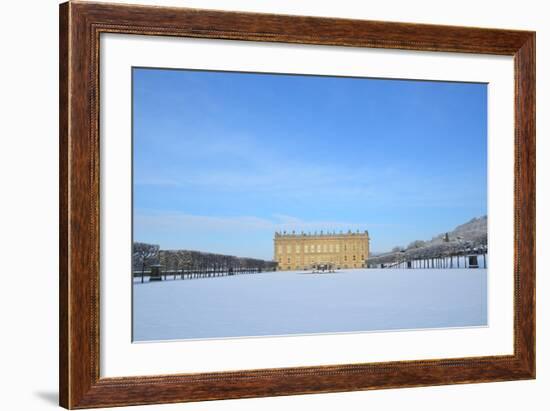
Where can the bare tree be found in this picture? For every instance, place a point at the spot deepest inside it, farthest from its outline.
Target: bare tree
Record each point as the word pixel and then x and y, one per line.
pixel 144 254
pixel 210 262
pixel 416 244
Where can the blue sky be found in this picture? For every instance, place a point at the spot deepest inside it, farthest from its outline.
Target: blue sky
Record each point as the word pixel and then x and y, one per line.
pixel 223 160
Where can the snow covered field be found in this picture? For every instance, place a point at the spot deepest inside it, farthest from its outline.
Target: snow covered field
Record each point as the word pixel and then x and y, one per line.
pixel 278 303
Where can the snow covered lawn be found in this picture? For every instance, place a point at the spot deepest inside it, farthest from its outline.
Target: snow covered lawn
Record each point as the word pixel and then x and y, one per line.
pixel 279 303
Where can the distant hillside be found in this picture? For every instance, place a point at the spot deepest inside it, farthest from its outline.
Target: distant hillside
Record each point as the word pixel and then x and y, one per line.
pixel 468 236
pixel 473 230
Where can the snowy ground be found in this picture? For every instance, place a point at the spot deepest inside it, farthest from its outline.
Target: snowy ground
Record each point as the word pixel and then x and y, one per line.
pixel 302 303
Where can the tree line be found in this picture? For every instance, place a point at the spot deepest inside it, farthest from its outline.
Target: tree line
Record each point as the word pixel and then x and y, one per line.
pixel 146 255
pixel 477 244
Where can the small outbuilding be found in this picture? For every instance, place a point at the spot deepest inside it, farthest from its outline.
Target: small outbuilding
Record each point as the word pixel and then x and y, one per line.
pixel 156 272
pixel 472 261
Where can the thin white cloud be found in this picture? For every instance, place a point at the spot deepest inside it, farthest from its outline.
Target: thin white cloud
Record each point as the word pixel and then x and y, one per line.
pixel 236 235
pixel 177 221
pixel 377 186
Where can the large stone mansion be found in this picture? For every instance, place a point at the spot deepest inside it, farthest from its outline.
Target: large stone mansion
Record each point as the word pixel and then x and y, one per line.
pixel 303 251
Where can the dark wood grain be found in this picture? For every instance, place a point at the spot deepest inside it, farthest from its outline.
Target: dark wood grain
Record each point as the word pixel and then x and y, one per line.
pixel 63 205
pixel 524 203
pixel 80 28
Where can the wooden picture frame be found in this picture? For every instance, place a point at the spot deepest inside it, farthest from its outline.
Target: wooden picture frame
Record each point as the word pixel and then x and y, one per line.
pixel 80 27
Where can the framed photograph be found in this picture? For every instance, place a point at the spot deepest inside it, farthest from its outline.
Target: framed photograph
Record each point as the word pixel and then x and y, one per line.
pixel 258 205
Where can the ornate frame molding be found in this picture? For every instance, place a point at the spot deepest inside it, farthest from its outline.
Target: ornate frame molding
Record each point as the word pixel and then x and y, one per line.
pixel 81 24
